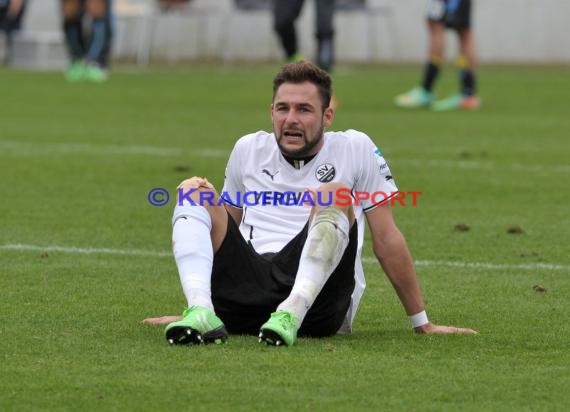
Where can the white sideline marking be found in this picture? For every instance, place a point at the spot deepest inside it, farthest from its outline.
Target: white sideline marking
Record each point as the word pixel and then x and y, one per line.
pixel 85 251
pixel 42 149
pixel 365 260
pixel 481 265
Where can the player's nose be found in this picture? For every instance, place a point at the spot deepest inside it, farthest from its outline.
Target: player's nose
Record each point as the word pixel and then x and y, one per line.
pixel 291 117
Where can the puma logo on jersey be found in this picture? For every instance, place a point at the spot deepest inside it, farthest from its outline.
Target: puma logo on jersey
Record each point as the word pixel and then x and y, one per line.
pixel 269 174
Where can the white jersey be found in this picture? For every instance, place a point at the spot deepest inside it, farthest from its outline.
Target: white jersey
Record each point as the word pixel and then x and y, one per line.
pixel 270 190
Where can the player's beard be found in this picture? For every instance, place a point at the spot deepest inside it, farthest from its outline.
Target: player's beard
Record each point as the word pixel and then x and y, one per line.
pixel 306 149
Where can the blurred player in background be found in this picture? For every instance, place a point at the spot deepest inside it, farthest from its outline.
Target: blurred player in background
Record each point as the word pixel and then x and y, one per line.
pixel 11 13
pixel 89 50
pixel 285 13
pixel 455 15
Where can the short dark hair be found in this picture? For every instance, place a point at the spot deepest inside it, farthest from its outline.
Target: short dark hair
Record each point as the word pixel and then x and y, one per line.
pixel 304 71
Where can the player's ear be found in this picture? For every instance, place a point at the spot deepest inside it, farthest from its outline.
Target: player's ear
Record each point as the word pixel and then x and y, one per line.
pixel 271 110
pixel 328 116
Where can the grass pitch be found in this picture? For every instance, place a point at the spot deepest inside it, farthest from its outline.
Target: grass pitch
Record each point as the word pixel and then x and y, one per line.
pixel 84 257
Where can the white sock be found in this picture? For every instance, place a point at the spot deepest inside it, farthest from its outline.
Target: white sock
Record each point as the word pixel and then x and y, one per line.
pixel 326 242
pixel 193 252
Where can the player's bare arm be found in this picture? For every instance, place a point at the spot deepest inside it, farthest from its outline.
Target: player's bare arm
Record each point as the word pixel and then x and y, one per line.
pixel 235 212
pixel 392 252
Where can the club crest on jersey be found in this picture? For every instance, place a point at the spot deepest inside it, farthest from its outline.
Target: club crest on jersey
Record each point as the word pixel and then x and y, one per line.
pixel 325 173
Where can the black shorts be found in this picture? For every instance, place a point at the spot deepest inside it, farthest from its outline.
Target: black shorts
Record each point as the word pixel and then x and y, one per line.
pixel 455 14
pixel 247 287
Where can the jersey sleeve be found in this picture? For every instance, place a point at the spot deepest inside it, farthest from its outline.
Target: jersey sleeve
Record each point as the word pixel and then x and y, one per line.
pixel 233 179
pixel 375 181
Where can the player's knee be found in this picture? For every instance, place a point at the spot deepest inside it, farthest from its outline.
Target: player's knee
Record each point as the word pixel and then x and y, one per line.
pixel 197 190
pixel 196 182
pixel 97 8
pixel 329 231
pixel 337 195
pixel 71 10
pixel 332 190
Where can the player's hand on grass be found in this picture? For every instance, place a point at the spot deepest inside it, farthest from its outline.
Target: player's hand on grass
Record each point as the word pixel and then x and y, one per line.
pixel 162 320
pixel 430 329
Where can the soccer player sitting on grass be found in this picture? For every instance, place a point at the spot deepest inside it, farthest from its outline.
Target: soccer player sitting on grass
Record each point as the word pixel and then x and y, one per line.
pixel 268 256
pixel 456 15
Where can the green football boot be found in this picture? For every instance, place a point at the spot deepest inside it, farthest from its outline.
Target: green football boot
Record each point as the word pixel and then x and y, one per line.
pixel 416 98
pixel 199 325
pixel 297 57
pixel 457 102
pixel 75 72
pixel 95 74
pixel 279 329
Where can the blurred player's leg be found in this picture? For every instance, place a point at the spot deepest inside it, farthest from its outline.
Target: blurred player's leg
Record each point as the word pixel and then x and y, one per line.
pixel 72 11
pixel 468 70
pixel 99 49
pixel 284 15
pixel 466 98
pixel 459 18
pixel 422 96
pixel 325 33
pixel 11 14
pixel 437 46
